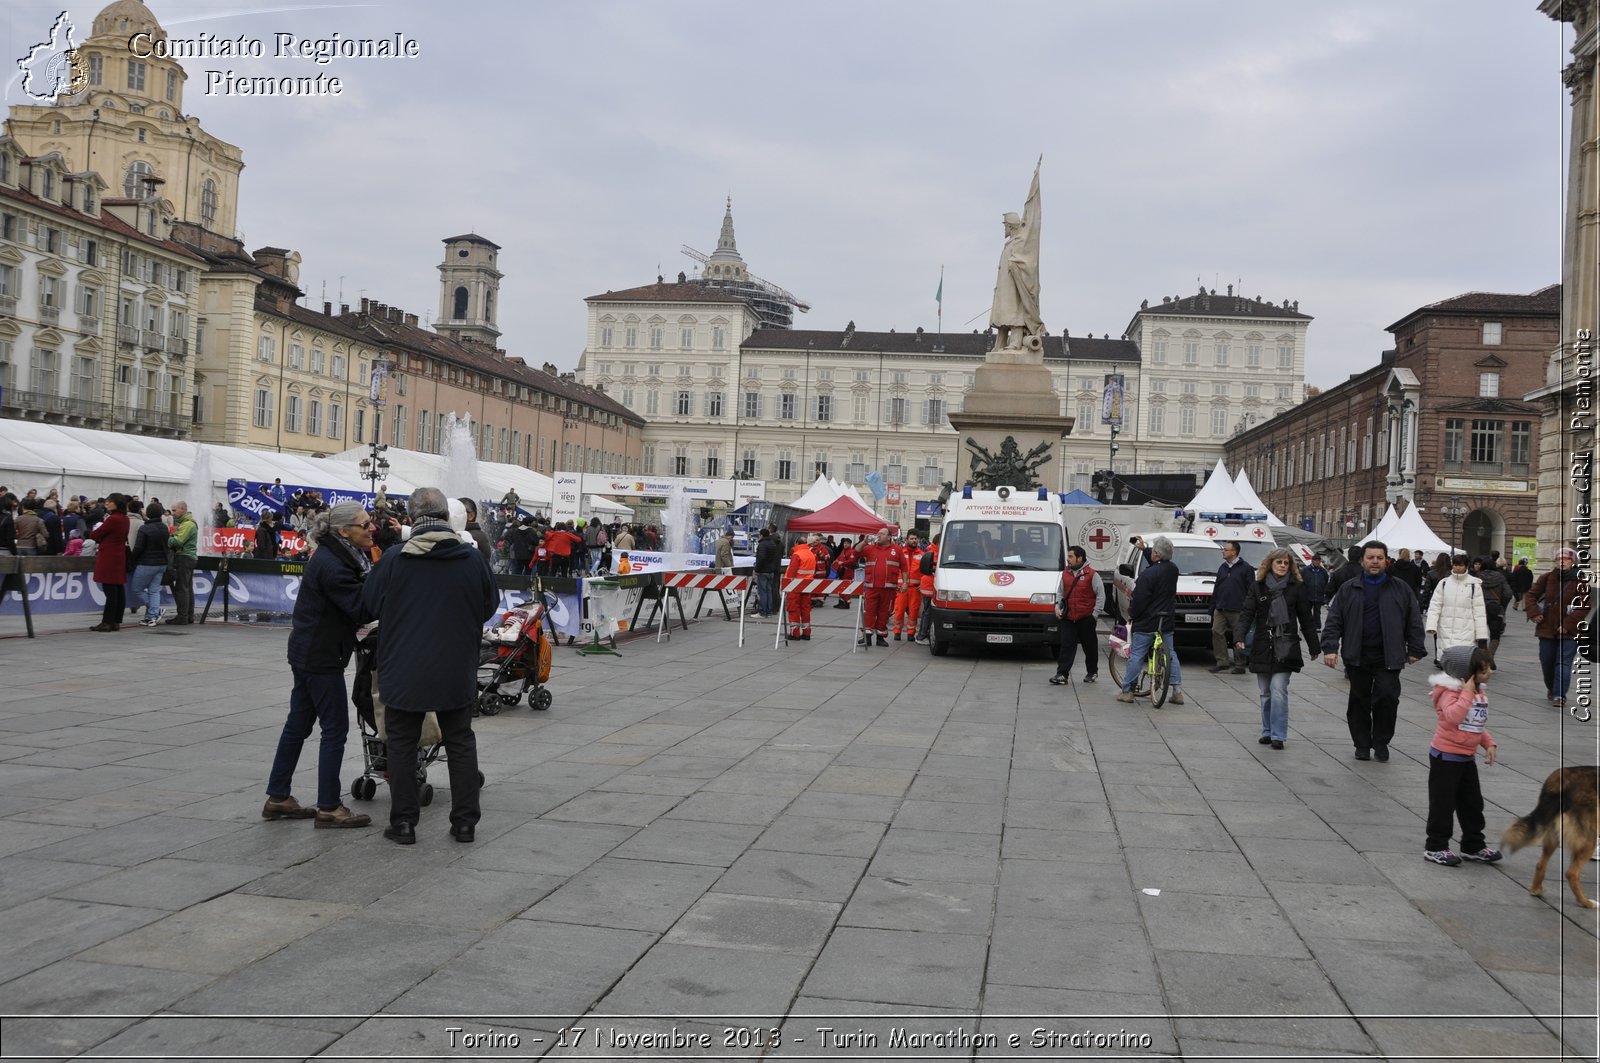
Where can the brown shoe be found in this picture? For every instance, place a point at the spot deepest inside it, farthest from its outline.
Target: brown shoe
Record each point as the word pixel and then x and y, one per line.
pixel 285 808
pixel 1176 698
pixel 341 817
pixel 1126 697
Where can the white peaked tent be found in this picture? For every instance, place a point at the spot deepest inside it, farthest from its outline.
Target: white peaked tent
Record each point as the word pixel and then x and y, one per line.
pixel 817 495
pixel 1253 503
pixel 1219 495
pixel 1408 530
pixel 534 489
pixel 1381 529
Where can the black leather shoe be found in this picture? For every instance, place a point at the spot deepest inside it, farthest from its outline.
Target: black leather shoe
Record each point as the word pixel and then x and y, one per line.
pixel 1264 739
pixel 1381 752
pixel 465 835
pixel 1276 744
pixel 1218 668
pixel 401 833
pixel 1362 754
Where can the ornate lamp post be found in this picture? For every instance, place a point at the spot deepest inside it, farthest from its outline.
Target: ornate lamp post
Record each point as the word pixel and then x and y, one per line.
pixel 1455 511
pixel 374 466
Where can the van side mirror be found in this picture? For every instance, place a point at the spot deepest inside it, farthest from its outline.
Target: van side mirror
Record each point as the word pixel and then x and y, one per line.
pixel 1125 568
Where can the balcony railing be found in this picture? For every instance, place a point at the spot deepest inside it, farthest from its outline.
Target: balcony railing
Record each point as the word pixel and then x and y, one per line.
pixel 88 324
pixel 174 422
pixel 41 404
pixel 49 315
pixel 8 305
pixel 154 340
pixel 178 345
pixel 128 334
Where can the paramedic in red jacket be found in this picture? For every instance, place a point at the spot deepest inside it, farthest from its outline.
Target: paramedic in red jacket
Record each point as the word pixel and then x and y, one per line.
pixel 802 565
pixel 1083 596
pixel 844 566
pixel 908 603
pixel 883 576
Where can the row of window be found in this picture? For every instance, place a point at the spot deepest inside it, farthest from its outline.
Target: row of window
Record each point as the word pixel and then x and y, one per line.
pixel 656 337
pixel 823 409
pixel 1483 445
pixel 823 375
pixel 1222 353
pixel 138 72
pixel 137 387
pixel 1219 388
pixel 294 406
pixel 785 466
pixel 42 182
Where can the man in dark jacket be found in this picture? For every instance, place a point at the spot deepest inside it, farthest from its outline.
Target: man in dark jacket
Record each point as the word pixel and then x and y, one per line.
pixel 1235 583
pixel 1375 623
pixel 769 556
pixel 1154 595
pixel 1316 578
pixel 327 612
pixel 520 541
pixel 431 597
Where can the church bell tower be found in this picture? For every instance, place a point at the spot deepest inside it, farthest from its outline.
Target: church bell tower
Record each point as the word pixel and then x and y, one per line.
pixel 469 290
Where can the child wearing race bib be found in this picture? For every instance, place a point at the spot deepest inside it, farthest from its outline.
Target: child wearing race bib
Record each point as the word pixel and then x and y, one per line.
pixel 1462 705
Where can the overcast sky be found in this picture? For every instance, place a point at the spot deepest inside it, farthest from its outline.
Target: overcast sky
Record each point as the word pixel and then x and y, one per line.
pixel 1364 158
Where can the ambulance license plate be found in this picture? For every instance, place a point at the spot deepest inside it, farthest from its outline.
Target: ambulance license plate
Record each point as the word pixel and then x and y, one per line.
pixel 1197 618
pixel 999 638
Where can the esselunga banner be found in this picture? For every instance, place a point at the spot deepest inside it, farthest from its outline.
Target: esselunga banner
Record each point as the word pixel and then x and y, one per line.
pixel 653 561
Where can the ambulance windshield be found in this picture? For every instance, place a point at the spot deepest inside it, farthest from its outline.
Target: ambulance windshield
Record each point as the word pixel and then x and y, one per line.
pixel 986 544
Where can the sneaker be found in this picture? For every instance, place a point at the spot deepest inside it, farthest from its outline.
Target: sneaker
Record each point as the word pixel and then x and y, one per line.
pixel 1058 680
pixel 1176 698
pixel 921 640
pixel 1443 856
pixel 1238 669
pixel 151 622
pixel 1482 856
pixel 1276 744
pixel 341 817
pixel 1126 697
pixel 285 808
pixel 1090 678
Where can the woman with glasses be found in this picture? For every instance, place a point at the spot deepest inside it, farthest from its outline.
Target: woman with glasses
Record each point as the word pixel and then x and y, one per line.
pixel 1277 604
pixel 327 613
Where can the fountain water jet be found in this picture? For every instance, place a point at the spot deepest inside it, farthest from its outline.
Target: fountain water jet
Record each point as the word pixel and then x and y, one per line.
pixel 198 494
pixel 460 459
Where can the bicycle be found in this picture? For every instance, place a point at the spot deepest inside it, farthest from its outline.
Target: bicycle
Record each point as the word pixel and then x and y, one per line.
pixel 1155 675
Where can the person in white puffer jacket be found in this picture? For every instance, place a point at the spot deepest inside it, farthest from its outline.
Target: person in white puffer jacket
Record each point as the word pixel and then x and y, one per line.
pixel 1456 614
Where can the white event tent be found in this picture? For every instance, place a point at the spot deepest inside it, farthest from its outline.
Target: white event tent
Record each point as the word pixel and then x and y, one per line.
pixel 1381 529
pixel 824 491
pixel 1253 503
pixel 1219 495
pixel 1410 531
pixel 534 489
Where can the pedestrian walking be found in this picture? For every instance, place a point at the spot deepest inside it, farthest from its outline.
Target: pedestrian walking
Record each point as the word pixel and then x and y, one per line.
pixel 1557 604
pixel 431 597
pixel 1228 594
pixel 1375 624
pixel 1461 704
pixel 1277 611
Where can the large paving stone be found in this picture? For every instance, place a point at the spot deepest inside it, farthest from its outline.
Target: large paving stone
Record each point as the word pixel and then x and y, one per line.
pixel 195 1037
pixel 689 842
pixel 900 967
pixel 894 903
pixel 547 847
pixel 168 883
pixel 220 935
pixel 68 993
pixel 1095 956
pixel 764 924
pixel 694 980
pixel 48 929
pixel 461 898
pixel 1200 922
pixel 1358 913
pixel 958 857
pixel 626 894
pixel 801 876
pixel 1261 999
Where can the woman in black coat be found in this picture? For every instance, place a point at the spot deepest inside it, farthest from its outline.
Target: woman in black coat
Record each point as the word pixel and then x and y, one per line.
pixel 1278 602
pixel 327 612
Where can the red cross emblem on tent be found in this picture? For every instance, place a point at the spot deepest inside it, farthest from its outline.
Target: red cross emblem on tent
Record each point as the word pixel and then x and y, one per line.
pixel 1099 539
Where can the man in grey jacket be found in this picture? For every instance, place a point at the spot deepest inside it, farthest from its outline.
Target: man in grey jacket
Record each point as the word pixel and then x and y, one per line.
pixel 1375 623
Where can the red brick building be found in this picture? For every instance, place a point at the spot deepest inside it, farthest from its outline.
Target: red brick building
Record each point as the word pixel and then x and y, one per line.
pixel 1439 422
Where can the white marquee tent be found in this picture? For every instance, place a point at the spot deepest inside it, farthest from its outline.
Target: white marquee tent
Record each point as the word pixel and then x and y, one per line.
pixel 534 489
pixel 1410 531
pixel 1247 491
pixel 1219 495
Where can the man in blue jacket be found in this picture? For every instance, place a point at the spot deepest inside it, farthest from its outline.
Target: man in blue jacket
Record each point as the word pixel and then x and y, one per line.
pixel 1234 582
pixel 1375 623
pixel 1155 594
pixel 432 597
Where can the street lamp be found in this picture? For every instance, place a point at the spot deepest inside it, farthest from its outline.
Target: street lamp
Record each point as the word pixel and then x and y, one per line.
pixel 374 466
pixel 1455 511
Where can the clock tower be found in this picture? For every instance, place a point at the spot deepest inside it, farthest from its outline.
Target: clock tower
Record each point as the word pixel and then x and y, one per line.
pixel 469 290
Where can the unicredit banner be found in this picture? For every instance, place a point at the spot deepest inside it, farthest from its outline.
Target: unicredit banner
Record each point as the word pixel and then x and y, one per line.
pixel 243 541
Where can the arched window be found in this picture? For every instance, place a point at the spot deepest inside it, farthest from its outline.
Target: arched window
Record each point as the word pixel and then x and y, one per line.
pixel 133 181
pixel 460 311
pixel 488 306
pixel 208 203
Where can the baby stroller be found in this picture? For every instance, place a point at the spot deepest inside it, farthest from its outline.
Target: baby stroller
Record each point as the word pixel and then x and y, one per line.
pixel 516 650
pixel 374 748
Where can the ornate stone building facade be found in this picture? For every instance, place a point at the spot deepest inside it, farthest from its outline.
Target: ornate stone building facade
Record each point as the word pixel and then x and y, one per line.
pixel 1439 423
pixel 97 305
pixel 1566 395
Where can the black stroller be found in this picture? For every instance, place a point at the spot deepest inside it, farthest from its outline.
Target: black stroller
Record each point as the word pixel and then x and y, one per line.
pixel 374 750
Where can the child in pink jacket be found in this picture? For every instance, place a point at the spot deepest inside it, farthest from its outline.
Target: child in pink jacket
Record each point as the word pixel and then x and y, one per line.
pixel 1462 705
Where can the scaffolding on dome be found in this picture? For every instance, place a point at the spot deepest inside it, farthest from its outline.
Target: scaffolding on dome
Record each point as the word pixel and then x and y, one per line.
pixel 774 306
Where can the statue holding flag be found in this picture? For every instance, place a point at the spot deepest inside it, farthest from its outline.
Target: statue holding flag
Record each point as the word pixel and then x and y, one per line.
pixel 1015 312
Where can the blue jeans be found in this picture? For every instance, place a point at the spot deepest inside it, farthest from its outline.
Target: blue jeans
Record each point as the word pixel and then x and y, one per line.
pixel 144 588
pixel 1139 649
pixel 1555 660
pixel 317 698
pixel 766 590
pixel 1274 690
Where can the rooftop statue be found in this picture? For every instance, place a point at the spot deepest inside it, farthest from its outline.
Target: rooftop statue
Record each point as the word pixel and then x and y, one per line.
pixel 1015 313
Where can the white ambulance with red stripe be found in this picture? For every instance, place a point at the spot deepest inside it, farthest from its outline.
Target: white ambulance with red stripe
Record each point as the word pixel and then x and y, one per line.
pixel 1001 554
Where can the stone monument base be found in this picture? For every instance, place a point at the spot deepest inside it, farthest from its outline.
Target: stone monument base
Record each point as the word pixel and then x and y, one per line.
pixel 1013 397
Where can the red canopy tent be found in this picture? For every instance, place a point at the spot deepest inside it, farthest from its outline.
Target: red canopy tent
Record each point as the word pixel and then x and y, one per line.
pixel 844 514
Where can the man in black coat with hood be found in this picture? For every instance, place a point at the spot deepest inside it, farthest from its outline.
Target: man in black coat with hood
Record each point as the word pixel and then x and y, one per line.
pixel 432 597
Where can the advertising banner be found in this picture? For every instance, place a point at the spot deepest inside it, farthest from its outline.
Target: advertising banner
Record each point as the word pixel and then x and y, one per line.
pixel 1111 400
pixel 76 592
pixel 706 488
pixel 239 542
pixel 652 561
pixel 253 497
pixel 566 497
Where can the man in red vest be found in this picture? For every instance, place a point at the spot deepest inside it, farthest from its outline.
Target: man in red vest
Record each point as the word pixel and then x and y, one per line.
pixel 802 565
pixel 1083 596
pixel 883 576
pixel 908 603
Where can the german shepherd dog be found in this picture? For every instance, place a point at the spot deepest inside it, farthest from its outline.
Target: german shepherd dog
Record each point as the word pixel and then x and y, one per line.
pixel 1566 814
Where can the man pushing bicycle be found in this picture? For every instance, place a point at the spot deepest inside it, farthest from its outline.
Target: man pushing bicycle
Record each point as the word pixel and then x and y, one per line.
pixel 1155 595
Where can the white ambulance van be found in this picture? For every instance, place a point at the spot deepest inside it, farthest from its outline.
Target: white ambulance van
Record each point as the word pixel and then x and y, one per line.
pixel 1000 563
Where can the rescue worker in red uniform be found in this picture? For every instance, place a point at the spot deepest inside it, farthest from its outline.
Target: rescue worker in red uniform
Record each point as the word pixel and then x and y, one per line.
pixel 802 565
pixel 908 603
pixel 883 576
pixel 930 561
pixel 844 566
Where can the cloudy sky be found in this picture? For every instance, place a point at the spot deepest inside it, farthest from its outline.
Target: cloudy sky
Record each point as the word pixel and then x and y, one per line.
pixel 1363 158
